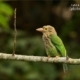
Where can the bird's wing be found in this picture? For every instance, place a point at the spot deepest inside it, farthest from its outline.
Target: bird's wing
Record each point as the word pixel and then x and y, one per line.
pixel 57 42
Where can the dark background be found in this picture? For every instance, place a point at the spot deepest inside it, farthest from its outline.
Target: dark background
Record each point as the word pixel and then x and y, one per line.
pixel 32 14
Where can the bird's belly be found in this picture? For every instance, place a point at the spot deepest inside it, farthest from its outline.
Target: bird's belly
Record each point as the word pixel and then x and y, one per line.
pixel 50 48
pixel 52 51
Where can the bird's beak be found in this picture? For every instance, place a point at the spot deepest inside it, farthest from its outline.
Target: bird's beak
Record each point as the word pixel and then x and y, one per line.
pixel 39 29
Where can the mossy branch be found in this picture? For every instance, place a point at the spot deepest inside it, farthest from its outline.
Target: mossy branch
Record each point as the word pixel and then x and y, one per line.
pixel 39 58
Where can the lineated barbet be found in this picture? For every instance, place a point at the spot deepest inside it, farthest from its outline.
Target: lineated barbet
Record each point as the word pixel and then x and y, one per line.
pixel 53 44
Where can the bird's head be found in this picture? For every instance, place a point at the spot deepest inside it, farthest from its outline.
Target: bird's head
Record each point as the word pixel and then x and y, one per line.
pixel 47 29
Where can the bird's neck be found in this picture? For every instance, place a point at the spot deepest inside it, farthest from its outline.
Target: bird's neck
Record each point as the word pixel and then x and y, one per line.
pixel 48 34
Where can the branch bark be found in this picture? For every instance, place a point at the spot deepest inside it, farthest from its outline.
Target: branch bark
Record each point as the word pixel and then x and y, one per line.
pixel 39 58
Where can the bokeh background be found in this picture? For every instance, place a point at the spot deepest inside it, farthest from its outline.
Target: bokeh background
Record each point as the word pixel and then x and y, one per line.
pixel 32 14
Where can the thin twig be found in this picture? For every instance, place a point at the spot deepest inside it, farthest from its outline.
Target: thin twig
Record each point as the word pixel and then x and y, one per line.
pixel 15 32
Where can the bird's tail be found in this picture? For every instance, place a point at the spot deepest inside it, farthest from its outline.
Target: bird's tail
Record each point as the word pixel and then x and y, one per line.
pixel 65 67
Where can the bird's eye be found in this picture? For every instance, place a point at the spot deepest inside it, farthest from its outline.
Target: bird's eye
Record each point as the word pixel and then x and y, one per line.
pixel 45 28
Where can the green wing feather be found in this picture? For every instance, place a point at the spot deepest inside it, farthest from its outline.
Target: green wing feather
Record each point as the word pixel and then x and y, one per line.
pixel 57 42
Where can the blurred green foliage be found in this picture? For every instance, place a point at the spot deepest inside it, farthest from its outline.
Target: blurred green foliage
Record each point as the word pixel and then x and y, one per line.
pixel 33 45
pixel 5 12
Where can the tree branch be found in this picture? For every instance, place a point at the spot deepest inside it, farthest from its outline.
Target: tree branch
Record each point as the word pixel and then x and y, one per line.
pixel 39 58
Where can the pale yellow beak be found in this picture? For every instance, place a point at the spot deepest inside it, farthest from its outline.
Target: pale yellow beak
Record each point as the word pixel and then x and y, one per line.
pixel 39 29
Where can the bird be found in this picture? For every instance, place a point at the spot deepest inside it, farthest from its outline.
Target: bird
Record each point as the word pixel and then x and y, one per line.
pixel 53 43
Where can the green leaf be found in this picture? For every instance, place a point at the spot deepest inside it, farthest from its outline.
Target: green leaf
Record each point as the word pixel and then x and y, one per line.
pixel 3 21
pixel 6 9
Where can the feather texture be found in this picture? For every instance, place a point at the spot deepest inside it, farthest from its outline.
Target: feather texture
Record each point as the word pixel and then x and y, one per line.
pixel 57 42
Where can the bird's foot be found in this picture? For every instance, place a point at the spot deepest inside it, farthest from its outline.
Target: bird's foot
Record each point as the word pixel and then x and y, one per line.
pixel 48 57
pixel 55 58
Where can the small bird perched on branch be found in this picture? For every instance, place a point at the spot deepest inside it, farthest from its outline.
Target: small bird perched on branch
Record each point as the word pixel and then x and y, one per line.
pixel 53 44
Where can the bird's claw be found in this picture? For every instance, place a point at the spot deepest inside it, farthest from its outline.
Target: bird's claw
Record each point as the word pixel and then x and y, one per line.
pixel 48 58
pixel 56 58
